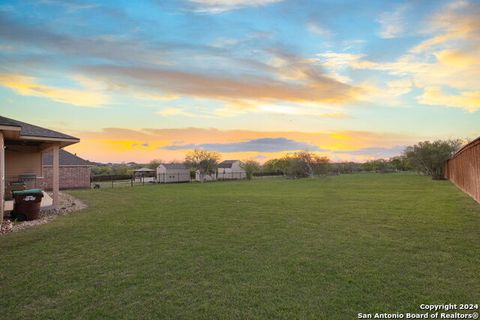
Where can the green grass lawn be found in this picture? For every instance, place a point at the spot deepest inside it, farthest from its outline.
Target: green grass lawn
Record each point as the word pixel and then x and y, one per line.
pixel 324 248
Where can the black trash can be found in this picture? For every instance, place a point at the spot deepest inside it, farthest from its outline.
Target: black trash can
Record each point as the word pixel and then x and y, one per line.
pixel 27 203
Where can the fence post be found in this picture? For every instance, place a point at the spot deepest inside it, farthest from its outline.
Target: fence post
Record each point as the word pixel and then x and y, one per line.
pixel 111 177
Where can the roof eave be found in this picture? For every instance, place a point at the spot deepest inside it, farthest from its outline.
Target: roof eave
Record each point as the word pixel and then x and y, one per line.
pixel 62 141
pixel 10 128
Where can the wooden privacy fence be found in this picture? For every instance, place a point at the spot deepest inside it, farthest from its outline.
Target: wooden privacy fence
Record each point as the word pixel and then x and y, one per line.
pixel 463 169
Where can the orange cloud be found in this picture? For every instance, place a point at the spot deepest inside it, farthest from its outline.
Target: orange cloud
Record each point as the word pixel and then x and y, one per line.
pixel 28 86
pixel 469 100
pixel 457 58
pixel 313 87
pixel 116 144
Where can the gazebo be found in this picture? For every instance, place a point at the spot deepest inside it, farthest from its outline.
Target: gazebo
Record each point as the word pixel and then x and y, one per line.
pixel 143 173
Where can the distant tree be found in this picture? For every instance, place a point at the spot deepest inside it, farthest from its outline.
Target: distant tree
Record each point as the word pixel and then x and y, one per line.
pixel 276 166
pixel 121 169
pixel 429 157
pixel 153 164
pixel 377 165
pixel 399 163
pixel 250 167
pixel 300 164
pixel 368 166
pixel 101 170
pixel 320 165
pixel 205 162
pixel 113 169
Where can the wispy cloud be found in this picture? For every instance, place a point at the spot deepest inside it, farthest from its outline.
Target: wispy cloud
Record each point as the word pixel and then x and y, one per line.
pixel 445 62
pixel 174 111
pixel 182 112
pixel 104 47
pixel 339 59
pixel 393 23
pixel 318 29
pixel 256 145
pixel 299 110
pixel 456 21
pixel 219 6
pixel 317 87
pixel 374 152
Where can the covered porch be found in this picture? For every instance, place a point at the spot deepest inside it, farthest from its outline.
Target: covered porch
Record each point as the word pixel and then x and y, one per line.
pixel 21 149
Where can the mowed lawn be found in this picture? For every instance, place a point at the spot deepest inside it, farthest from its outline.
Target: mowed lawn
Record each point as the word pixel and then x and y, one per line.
pixel 325 248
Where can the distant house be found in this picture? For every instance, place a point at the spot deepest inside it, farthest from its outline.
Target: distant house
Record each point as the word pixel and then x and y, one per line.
pixel 172 172
pixel 74 171
pixel 230 169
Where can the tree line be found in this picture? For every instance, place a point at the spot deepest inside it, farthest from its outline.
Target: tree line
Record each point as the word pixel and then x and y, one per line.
pixel 425 157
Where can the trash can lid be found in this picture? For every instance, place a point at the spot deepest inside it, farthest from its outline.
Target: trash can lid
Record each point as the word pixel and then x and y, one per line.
pixel 27 192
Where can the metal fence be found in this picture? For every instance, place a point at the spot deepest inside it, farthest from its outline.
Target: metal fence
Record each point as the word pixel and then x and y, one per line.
pixel 115 181
pixel 463 169
pixel 231 175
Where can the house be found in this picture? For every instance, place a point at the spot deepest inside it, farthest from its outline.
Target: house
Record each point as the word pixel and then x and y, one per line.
pixel 74 171
pixel 230 169
pixel 21 149
pixel 172 172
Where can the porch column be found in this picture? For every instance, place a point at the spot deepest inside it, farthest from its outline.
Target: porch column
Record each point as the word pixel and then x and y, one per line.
pixel 2 176
pixel 56 174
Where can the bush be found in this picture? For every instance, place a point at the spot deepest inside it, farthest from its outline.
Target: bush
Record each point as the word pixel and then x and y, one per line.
pixel 250 167
pixel 429 157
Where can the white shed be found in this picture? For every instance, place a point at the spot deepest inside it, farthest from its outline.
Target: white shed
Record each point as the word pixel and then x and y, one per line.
pixel 172 172
pixel 230 169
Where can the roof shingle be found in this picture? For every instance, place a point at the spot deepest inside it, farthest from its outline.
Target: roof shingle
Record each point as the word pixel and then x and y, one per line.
pixel 227 163
pixel 66 159
pixel 34 131
pixel 176 166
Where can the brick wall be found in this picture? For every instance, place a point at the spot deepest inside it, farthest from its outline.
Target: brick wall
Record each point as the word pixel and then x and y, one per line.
pixel 71 177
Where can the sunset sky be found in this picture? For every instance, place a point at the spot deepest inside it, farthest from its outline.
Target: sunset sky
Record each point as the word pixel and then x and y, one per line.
pixel 143 80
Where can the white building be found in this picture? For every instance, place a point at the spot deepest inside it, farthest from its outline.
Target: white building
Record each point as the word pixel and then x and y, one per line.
pixel 172 172
pixel 230 169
